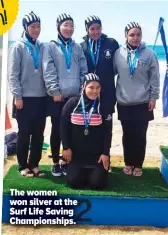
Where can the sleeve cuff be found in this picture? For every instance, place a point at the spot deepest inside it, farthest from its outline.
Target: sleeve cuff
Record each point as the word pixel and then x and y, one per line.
pixel 153 99
pixel 18 97
pixel 54 93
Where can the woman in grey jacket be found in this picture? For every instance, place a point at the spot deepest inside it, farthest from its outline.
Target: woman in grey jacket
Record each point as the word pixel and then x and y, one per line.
pixel 28 89
pixel 137 90
pixel 64 68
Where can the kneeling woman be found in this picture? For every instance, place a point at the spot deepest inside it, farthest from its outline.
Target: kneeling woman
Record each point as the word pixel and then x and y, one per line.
pixel 85 138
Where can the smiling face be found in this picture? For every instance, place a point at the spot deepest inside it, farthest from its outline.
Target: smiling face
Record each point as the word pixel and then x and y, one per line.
pixel 92 90
pixel 134 37
pixel 67 29
pixel 95 31
pixel 34 30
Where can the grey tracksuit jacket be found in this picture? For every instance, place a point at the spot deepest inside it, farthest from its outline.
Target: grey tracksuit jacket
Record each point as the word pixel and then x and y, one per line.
pixel 144 84
pixel 57 79
pixel 23 81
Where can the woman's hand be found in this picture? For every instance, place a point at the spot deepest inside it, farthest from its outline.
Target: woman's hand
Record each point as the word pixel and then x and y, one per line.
pixel 58 98
pixel 105 160
pixel 151 105
pixel 18 104
pixel 67 155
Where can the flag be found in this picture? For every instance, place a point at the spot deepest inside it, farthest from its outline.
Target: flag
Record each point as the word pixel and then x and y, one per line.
pixel 165 85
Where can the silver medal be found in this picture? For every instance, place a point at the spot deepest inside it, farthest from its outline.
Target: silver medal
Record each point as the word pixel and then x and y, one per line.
pixel 36 70
pixel 86 132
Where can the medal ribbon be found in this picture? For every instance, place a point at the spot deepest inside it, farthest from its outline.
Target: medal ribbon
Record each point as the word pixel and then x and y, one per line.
pixel 132 61
pixel 95 58
pixel 35 55
pixel 67 51
pixel 87 120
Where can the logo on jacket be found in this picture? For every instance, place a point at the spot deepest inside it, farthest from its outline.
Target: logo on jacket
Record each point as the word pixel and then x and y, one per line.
pixel 107 54
pixel 142 63
pixel 109 118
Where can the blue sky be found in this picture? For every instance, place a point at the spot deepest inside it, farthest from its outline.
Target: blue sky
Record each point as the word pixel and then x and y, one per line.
pixel 114 15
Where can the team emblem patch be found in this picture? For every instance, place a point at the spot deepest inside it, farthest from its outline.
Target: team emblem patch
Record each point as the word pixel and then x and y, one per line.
pixel 142 63
pixel 107 54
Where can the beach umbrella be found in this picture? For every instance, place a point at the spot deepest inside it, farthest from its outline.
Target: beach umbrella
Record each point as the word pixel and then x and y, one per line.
pixel 165 85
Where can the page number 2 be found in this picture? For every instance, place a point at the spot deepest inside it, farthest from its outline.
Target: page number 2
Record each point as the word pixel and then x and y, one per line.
pixel 79 215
